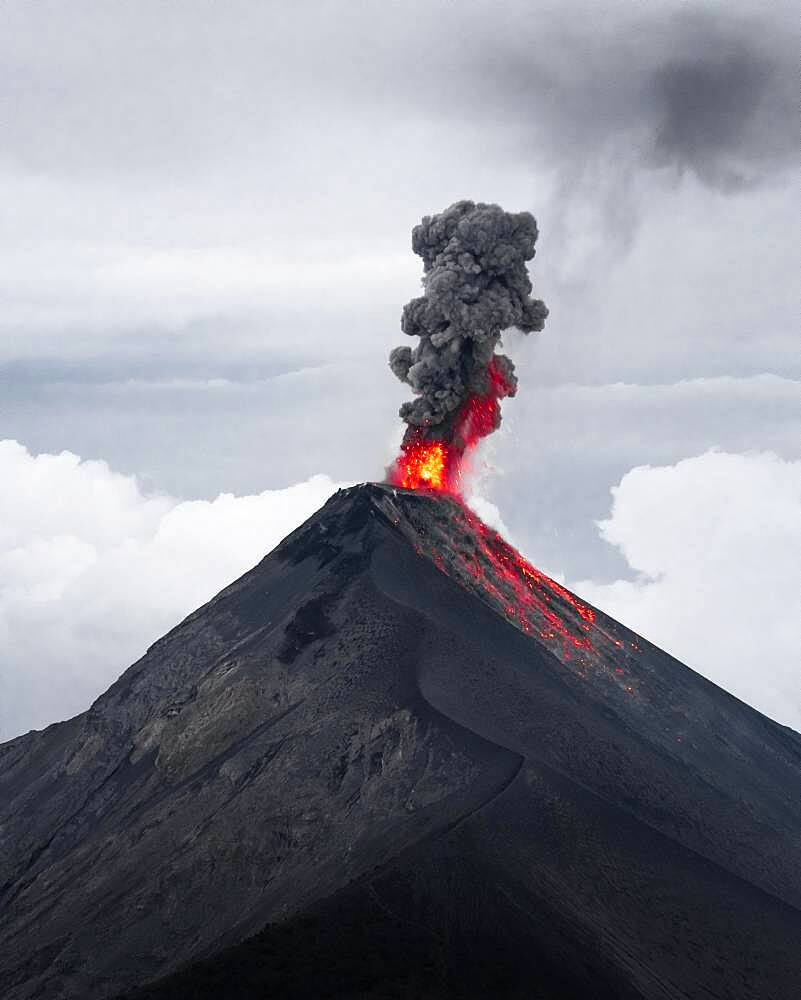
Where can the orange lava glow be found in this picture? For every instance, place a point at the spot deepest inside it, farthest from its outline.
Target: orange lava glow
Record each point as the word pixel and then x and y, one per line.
pixel 422 466
pixel 528 595
pixel 433 459
pixel 430 464
pixel 540 606
pixel 464 548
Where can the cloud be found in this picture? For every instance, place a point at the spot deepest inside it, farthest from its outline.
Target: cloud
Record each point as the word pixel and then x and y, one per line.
pixel 562 446
pixel 148 88
pixel 624 107
pixel 714 111
pixel 700 88
pixel 548 470
pixel 715 543
pixel 92 571
pixel 167 217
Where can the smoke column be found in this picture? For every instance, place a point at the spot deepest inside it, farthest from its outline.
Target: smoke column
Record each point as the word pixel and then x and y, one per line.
pixel 476 285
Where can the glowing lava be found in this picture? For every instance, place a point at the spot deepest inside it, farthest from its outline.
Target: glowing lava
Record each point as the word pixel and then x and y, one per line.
pixel 428 463
pixel 422 465
pixel 528 595
pixel 461 546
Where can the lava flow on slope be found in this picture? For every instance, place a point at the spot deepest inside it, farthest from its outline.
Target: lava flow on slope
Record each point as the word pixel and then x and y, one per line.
pixel 457 541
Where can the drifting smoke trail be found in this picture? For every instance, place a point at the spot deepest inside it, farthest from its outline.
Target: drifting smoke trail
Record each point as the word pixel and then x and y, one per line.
pixel 475 286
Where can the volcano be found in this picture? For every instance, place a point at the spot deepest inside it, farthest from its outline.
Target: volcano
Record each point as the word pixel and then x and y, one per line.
pixel 396 760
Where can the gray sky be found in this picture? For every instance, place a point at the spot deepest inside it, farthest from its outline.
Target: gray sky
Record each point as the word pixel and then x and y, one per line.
pixel 205 236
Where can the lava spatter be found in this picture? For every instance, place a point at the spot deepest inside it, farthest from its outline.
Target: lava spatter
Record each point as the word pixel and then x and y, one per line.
pixel 530 597
pixel 477 557
pixel 438 465
pixel 422 466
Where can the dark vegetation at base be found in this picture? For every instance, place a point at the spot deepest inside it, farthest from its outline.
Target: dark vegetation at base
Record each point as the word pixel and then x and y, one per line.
pixel 465 946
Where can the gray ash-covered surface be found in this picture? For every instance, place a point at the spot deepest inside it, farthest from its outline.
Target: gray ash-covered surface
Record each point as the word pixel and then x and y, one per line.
pixel 377 765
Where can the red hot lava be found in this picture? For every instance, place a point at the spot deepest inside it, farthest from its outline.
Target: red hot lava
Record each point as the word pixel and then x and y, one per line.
pixel 430 464
pixel 527 594
pixel 461 546
pixel 540 606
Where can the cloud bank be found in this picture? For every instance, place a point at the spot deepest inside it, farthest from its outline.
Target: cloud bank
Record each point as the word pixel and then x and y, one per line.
pixel 92 571
pixel 715 543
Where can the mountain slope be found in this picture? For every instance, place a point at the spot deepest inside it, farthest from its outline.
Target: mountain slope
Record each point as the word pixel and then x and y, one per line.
pixel 394 714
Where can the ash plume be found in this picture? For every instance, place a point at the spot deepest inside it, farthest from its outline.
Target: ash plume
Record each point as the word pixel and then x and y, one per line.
pixel 475 286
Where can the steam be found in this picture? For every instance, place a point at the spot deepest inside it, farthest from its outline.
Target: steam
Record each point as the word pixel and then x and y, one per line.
pixel 476 286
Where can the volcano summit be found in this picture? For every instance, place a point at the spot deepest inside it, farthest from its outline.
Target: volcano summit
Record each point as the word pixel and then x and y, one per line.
pixel 394 759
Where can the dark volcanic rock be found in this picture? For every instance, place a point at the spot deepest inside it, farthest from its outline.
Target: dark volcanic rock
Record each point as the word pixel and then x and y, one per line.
pixel 394 760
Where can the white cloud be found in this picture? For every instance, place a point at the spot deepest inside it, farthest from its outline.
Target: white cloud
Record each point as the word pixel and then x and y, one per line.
pixel 489 514
pixel 562 446
pixel 92 571
pixel 716 541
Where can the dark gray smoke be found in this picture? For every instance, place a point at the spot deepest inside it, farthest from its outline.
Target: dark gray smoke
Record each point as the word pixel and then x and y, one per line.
pixel 476 286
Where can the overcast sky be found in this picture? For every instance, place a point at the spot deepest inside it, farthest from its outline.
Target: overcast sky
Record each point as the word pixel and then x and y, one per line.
pixel 205 248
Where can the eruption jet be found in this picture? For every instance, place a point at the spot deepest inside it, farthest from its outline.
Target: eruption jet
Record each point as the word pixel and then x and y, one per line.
pixel 475 286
